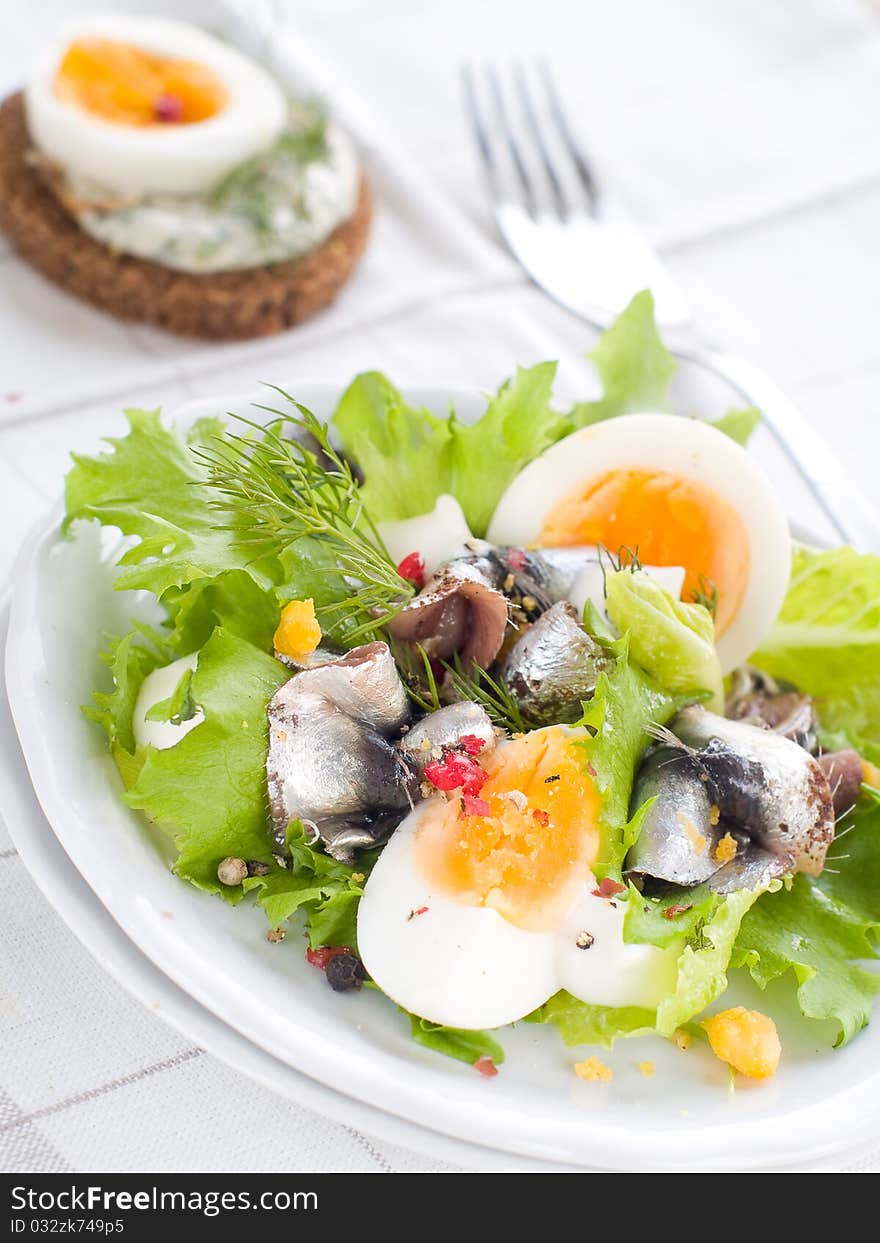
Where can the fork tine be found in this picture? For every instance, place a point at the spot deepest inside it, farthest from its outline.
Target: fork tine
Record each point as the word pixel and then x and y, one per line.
pixel 580 161
pixel 546 159
pixel 472 107
pixel 510 138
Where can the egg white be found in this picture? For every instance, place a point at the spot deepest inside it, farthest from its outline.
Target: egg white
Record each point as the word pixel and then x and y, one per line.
pixel 459 965
pixel 438 535
pixel 611 971
pixel 163 159
pixel 686 447
pixel 467 966
pixel 156 686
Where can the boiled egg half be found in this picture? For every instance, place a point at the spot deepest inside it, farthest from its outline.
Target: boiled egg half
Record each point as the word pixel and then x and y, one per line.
pixel 678 491
pixel 149 105
pixel 478 912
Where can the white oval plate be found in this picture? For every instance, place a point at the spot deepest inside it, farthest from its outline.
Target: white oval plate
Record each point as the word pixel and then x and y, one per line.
pixel 822 1102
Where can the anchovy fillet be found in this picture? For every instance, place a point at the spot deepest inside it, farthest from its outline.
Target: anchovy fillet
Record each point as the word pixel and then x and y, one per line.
pixel 677 841
pixel 554 667
pixel 459 612
pixel 440 730
pixel 765 784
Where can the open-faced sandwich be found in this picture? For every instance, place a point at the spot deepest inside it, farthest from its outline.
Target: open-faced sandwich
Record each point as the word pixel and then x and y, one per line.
pixel 522 719
pixel 162 175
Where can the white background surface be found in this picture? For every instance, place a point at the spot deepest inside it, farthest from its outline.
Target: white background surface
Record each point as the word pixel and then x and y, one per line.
pixel 742 137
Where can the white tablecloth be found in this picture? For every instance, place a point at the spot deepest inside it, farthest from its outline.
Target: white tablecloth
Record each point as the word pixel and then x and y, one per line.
pixel 741 135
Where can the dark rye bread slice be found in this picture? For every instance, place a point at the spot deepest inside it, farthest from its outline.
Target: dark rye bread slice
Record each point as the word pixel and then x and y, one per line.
pixel 222 306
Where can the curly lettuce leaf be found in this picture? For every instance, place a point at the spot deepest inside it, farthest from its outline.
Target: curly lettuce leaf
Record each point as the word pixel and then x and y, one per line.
pixel 409 456
pixel 671 639
pixel 626 702
pixel 634 366
pixel 325 891
pixel 399 448
pixel 148 487
pixel 129 659
pixel 817 931
pixel 826 641
pixel 209 790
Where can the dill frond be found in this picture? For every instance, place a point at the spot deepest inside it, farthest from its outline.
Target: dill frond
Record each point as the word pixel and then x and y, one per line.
pixel 278 490
pixel 499 704
pixel 706 593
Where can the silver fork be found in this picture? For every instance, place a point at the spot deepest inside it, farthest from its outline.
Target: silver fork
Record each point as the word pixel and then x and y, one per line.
pixel 556 220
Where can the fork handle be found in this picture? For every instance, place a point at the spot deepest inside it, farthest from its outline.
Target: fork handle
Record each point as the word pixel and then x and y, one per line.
pixel 855 518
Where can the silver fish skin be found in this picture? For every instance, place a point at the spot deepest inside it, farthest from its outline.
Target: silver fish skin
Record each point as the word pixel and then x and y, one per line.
pixel 555 569
pixel 677 841
pixel 757 698
pixel 459 612
pixel 440 730
pixel 753 868
pixel 365 684
pixel 553 667
pixel 764 784
pixel 332 759
pixel 323 763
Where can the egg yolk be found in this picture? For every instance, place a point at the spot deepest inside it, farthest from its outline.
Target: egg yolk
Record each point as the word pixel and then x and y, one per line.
pixel 130 86
pixel 527 855
pixel 671 520
pixel 298 632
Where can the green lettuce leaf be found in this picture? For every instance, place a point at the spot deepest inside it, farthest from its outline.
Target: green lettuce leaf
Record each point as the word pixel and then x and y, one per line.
pixel 323 890
pixel 826 641
pixel 625 703
pixel 209 789
pixel 464 1046
pixel 702 976
pixel 130 659
pixel 819 929
pixel 580 1023
pixel 739 424
pixel 401 450
pixel 702 967
pixel 179 706
pixel 409 456
pixel 672 640
pixel 633 364
pixel 148 487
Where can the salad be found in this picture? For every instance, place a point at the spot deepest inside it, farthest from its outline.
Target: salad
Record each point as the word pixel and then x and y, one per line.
pixel 540 718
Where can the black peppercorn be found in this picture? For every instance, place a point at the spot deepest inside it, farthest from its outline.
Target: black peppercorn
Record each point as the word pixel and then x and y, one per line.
pixel 345 972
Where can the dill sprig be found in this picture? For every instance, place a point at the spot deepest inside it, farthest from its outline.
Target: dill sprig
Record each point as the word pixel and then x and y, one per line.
pixel 706 593
pixel 425 695
pixel 279 490
pixel 626 559
pixel 260 185
pixel 498 702
pixel 477 685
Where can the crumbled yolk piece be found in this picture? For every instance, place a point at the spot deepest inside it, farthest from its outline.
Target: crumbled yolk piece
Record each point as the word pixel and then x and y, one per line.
pixel 129 85
pixel 871 774
pixel 696 837
pixel 714 814
pixel 527 854
pixel 593 1071
pixel 670 519
pixel 298 632
pixel 647 1069
pixel 726 849
pixel 746 1039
